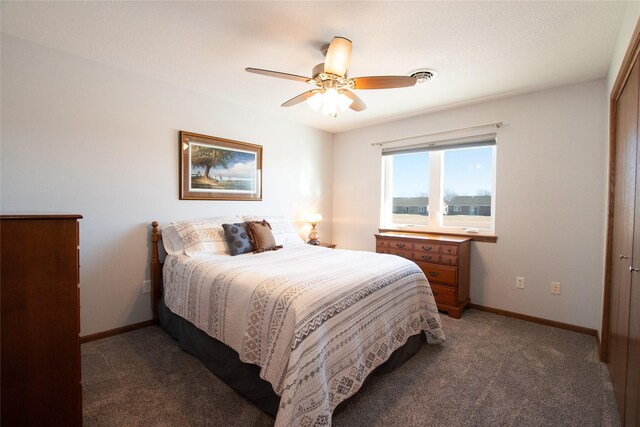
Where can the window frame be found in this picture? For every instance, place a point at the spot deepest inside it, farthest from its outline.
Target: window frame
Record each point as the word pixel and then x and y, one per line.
pixel 436 192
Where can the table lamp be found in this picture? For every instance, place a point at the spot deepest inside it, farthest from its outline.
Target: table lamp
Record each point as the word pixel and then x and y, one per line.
pixel 314 236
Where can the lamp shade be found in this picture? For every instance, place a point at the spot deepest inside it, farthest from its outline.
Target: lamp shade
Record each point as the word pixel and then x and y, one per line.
pixel 314 218
pixel 338 56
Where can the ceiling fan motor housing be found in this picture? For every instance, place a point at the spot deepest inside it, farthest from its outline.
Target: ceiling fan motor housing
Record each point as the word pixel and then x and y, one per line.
pixel 317 70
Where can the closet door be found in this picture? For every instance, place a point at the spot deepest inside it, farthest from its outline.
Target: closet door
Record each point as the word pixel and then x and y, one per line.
pixel 623 216
pixel 632 398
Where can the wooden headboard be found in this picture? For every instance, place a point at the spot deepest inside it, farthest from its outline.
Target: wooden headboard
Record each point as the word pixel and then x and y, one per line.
pixel 156 269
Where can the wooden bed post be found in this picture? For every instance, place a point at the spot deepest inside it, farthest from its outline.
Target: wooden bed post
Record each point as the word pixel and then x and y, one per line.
pixel 156 270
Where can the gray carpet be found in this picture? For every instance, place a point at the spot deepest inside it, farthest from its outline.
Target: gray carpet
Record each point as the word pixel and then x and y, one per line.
pixel 492 371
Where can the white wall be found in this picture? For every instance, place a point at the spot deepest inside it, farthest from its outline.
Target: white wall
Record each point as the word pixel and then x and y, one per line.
pixel 628 25
pixel 551 162
pixel 81 137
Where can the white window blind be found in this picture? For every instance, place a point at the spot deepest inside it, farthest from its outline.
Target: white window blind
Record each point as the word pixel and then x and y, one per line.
pixel 413 146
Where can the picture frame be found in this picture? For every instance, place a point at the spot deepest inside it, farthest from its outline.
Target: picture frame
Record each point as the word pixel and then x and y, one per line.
pixel 214 168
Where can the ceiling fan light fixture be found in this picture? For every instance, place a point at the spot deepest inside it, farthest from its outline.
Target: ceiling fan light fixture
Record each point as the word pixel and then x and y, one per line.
pixel 330 102
pixel 333 90
pixel 315 102
pixel 338 56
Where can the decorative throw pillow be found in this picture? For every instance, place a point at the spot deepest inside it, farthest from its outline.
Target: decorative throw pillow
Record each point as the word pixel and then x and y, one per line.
pixel 282 227
pixel 237 238
pixel 261 236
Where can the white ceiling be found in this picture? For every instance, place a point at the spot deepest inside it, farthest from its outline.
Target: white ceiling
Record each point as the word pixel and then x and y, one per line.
pixel 480 49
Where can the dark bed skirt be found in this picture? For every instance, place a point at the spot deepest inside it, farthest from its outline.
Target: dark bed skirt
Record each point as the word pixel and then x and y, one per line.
pixel 244 378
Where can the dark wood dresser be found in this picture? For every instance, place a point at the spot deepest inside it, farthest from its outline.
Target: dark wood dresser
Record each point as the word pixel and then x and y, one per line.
pixel 443 259
pixel 40 314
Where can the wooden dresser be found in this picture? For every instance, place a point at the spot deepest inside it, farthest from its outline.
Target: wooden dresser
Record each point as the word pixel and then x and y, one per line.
pixel 443 259
pixel 40 314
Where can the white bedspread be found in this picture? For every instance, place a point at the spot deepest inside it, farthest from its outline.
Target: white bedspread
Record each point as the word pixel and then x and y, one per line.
pixel 317 321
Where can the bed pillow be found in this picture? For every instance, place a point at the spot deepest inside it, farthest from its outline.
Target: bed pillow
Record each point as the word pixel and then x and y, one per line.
pixel 204 237
pixel 261 236
pixel 171 240
pixel 237 237
pixel 282 228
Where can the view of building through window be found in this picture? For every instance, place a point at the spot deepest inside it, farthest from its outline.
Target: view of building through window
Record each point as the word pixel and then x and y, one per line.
pixel 467 183
pixel 410 183
pixel 461 181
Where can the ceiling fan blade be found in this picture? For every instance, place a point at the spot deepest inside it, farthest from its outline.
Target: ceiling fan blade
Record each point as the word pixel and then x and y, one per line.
pixel 358 104
pixel 278 74
pixel 300 98
pixel 338 56
pixel 383 82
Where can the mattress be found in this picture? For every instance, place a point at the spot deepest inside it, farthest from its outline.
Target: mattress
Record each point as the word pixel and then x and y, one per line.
pixel 316 321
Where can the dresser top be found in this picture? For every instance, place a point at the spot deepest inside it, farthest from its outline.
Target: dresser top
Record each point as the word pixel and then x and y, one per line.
pixel 38 215
pixel 440 237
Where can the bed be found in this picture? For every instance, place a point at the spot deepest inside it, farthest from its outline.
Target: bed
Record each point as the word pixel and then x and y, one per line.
pixel 297 331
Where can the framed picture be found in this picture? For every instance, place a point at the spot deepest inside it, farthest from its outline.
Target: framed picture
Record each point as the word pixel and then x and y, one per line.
pixel 219 169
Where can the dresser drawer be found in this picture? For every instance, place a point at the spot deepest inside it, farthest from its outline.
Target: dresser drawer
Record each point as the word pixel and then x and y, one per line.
pixel 436 247
pixel 435 258
pixel 445 295
pixel 426 256
pixel 404 253
pixel 449 260
pixel 427 247
pixel 439 273
pixel 382 249
pixel 398 247
pixel 399 244
pixel 449 250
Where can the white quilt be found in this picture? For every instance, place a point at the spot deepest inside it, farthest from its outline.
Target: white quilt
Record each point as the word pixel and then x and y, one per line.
pixel 317 321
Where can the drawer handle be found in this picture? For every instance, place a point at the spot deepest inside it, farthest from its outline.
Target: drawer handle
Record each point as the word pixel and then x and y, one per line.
pixel 426 256
pixel 400 245
pixel 433 273
pixel 427 248
pixel 435 294
pixel 400 254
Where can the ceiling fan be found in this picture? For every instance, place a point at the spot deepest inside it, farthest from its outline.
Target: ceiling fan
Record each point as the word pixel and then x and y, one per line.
pixel 333 92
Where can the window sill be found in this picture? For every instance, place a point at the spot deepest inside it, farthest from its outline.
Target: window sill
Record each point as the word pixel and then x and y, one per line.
pixel 476 237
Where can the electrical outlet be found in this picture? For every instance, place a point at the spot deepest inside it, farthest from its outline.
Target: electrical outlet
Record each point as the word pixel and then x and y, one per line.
pixel 555 288
pixel 146 286
pixel 519 282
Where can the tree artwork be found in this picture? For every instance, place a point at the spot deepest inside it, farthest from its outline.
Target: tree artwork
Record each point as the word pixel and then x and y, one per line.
pixel 210 158
pixel 219 169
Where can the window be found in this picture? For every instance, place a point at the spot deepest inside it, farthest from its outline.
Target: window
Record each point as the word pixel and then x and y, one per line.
pixel 409 186
pixel 440 187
